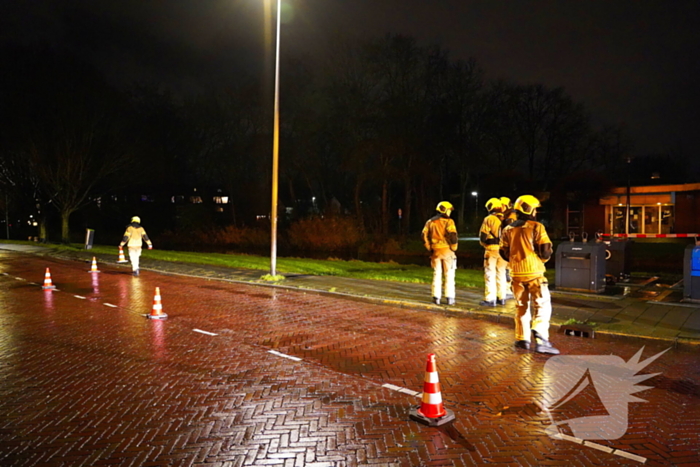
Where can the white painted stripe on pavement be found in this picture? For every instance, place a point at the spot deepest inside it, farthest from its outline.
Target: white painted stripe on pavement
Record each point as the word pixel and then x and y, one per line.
pixel 573 439
pixel 400 389
pixel 280 354
pixel 599 447
pixel 640 459
pixel 109 304
pixel 205 332
pixel 79 296
pixel 20 279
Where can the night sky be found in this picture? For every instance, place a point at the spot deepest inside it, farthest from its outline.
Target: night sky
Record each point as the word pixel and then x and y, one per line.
pixel 630 62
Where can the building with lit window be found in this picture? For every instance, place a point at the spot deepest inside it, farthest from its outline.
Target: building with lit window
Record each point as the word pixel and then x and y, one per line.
pixel 653 211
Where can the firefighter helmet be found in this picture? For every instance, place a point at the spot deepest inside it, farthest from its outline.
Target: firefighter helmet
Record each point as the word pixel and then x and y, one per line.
pixel 136 219
pixel 444 207
pixel 505 201
pixel 527 204
pixel 494 204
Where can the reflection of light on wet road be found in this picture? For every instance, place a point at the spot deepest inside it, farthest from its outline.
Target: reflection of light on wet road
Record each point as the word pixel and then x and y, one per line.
pixel 48 300
pixel 160 351
pixel 95 283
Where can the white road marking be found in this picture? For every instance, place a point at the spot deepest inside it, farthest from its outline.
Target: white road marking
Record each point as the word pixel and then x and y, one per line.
pixel 205 332
pixel 573 439
pixel 110 305
pixel 79 296
pixel 403 390
pixel 600 447
pixel 280 354
pixel 633 457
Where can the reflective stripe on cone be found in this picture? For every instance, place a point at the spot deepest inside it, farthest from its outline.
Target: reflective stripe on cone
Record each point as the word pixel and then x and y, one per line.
pixel 431 411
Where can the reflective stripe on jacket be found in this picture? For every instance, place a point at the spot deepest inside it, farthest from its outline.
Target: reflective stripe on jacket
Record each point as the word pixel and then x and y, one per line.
pixel 135 235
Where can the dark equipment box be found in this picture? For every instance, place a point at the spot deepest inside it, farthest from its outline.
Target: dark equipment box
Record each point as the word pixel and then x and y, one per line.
pixel 580 266
pixel 691 272
pixel 617 262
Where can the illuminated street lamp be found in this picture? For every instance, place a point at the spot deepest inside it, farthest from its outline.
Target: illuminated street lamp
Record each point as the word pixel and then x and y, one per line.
pixel 275 151
pixel 476 207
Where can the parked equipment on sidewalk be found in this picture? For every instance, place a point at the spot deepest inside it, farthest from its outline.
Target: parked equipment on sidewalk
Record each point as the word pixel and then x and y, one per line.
pixel 617 260
pixel 691 272
pixel 580 266
pixel 431 411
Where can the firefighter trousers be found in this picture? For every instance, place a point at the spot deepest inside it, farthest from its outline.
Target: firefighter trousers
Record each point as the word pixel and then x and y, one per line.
pixel 496 285
pixel 444 263
pixel 532 295
pixel 134 256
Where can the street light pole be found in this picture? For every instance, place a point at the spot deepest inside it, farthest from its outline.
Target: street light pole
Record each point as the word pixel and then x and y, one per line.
pixel 275 151
pixel 476 208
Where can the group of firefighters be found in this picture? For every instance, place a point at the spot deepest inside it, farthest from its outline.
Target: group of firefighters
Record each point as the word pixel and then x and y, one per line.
pixel 516 248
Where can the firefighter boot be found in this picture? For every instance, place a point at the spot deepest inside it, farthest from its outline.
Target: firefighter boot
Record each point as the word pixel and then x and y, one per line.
pixel 543 345
pixel 525 345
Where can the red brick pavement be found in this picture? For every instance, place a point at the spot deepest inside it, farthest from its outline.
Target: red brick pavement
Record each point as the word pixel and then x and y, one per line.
pixel 87 380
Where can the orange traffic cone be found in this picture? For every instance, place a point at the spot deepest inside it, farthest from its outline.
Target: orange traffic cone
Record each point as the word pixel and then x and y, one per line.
pixel 93 268
pixel 121 259
pixel 48 285
pixel 431 411
pixel 157 311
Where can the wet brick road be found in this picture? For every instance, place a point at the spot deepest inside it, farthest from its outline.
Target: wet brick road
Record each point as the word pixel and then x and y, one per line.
pixel 86 379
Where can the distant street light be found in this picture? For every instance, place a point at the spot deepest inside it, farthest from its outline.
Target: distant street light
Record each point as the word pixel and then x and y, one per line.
pixel 275 151
pixel 476 207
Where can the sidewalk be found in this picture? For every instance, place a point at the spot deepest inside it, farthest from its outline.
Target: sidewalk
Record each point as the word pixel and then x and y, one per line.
pixel 613 316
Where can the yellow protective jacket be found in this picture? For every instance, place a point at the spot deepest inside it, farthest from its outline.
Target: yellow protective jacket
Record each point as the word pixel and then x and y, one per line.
pixel 526 246
pixel 439 233
pixel 135 235
pixel 490 232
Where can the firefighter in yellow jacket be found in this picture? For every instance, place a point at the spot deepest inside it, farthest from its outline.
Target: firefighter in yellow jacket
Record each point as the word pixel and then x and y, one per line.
pixel 495 284
pixel 509 217
pixel 526 246
pixel 440 238
pixel 133 238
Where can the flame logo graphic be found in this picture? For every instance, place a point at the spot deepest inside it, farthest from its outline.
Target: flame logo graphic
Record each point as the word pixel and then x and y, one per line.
pixel 614 380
